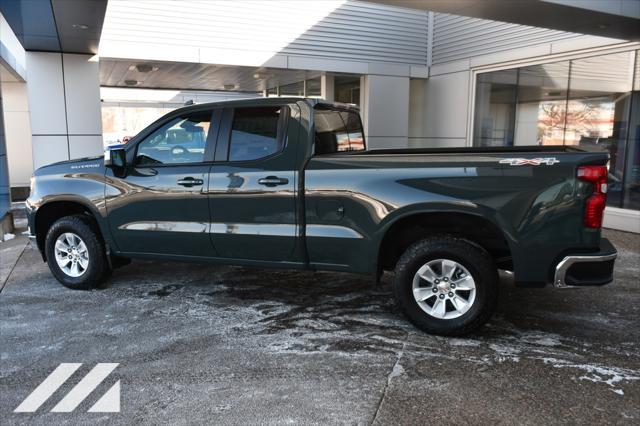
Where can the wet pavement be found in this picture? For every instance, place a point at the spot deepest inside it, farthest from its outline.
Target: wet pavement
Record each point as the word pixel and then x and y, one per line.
pixel 226 345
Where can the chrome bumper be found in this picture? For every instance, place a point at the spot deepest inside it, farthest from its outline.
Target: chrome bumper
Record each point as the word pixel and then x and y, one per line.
pixel 608 254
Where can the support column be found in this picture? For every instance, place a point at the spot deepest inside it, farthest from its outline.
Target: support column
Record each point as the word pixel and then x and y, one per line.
pixel 384 104
pixel 5 199
pixel 327 87
pixel 18 135
pixel 64 105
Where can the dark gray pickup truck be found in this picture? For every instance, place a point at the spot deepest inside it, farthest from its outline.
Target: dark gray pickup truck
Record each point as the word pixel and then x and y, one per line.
pixel 289 183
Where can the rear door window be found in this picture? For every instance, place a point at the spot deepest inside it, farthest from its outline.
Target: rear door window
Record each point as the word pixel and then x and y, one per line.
pixel 337 131
pixel 254 133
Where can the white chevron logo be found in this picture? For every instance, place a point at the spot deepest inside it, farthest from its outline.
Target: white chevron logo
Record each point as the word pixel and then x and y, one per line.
pixel 108 403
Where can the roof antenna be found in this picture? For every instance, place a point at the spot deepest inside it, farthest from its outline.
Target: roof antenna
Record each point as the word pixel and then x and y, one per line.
pixel 189 102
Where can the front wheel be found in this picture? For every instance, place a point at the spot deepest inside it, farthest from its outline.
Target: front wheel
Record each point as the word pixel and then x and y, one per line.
pixel 446 285
pixel 75 254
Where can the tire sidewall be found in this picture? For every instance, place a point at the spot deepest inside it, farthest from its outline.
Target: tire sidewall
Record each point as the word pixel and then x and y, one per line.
pixel 477 263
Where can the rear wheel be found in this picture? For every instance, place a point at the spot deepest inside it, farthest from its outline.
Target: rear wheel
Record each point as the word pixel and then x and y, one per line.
pixel 446 285
pixel 75 254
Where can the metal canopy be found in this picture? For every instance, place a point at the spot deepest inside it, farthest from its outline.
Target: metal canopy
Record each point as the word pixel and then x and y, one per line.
pixel 69 26
pixel 195 76
pixel 614 19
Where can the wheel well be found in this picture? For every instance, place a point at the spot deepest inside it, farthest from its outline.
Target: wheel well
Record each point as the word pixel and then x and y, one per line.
pixel 49 213
pixel 411 229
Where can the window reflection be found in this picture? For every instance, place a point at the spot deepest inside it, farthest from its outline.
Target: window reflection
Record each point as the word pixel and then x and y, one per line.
pixel 591 102
pixel 599 106
pixel 337 131
pixel 495 108
pixel 542 96
pixel 254 133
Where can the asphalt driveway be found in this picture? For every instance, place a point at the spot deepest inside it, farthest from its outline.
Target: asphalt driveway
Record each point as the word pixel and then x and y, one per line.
pixel 204 344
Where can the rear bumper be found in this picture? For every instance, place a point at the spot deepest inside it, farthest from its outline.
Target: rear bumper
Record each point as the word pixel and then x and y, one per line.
pixel 586 269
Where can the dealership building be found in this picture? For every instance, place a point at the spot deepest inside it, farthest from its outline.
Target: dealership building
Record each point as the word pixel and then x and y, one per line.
pixel 79 75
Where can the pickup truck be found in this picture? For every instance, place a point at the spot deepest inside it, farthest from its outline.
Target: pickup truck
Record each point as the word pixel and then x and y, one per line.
pixel 289 183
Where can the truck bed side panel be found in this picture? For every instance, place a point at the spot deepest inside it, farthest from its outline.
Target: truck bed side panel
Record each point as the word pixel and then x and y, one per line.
pixel 352 200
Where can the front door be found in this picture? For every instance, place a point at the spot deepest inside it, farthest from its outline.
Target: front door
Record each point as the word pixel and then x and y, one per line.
pixel 160 206
pixel 253 188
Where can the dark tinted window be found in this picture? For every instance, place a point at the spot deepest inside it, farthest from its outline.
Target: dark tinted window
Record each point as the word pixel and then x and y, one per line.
pixel 254 133
pixel 337 130
pixel 181 140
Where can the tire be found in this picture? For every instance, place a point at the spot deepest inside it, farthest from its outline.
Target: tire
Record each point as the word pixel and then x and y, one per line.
pixel 71 230
pixel 459 261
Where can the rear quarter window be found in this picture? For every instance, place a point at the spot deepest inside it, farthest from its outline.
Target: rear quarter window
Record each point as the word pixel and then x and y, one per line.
pixel 337 131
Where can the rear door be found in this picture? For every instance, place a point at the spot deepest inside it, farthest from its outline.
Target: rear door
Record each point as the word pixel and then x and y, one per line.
pixel 253 185
pixel 160 206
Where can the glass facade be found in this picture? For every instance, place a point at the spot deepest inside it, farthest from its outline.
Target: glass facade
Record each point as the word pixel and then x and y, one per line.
pixel 592 102
pixel 310 88
pixel 347 89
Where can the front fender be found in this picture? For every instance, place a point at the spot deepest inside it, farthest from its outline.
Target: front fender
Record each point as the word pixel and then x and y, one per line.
pixel 54 191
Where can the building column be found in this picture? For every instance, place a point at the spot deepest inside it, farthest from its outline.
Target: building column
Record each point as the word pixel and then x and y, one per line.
pixel 384 102
pixel 327 87
pixel 5 199
pixel 18 135
pixel 64 105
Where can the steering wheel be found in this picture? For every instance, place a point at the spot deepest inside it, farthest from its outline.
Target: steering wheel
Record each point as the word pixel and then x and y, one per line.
pixel 178 150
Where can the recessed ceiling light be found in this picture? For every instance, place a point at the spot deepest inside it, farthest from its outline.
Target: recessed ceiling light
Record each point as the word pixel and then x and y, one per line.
pixel 131 82
pixel 80 26
pixel 144 68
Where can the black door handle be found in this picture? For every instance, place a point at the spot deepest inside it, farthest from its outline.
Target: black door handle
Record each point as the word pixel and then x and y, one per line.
pixel 189 182
pixel 273 181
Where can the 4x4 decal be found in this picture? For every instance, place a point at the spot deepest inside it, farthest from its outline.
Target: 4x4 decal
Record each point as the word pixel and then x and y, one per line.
pixel 549 161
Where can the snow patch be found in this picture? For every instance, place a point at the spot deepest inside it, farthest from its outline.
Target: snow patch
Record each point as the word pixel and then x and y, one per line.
pixel 398 370
pixel 463 342
pixel 505 353
pixel 598 373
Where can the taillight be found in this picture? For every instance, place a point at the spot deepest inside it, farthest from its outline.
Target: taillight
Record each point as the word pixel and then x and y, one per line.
pixel 594 207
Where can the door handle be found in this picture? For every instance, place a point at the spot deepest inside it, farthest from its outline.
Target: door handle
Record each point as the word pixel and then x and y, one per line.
pixel 189 182
pixel 273 181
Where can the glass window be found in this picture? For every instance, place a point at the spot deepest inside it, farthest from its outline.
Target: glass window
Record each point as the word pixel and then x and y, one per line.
pixel 495 108
pixel 293 89
pixel 523 106
pixel 347 89
pixel 254 133
pixel 273 91
pixel 337 131
pixel 631 198
pixel 181 140
pixel 313 88
pixel 592 102
pixel 541 104
pixel 598 111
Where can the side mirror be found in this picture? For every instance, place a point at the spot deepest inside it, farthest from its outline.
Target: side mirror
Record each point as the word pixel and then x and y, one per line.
pixel 115 157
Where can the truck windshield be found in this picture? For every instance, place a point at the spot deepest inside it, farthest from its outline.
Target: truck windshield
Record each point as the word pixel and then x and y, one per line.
pixel 337 130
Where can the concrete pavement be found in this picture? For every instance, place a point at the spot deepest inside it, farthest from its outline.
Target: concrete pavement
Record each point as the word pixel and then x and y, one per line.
pixel 205 344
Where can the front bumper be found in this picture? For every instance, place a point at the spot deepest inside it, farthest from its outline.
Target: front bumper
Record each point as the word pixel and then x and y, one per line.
pixel 586 269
